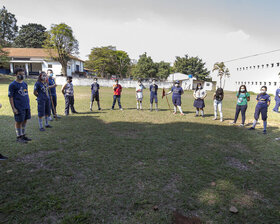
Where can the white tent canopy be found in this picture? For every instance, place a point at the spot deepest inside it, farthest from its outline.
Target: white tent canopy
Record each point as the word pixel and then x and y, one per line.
pixel 177 76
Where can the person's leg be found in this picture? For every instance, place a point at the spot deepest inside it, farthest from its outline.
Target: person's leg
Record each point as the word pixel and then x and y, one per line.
pixel 215 109
pixel 264 118
pixel 3 157
pixel 72 104
pixel 202 112
pixel 47 113
pixel 114 101
pixel 220 105
pixel 179 103
pixel 237 111
pixel 256 117
pixel 91 102
pixel 18 128
pixel 141 105
pixel 197 112
pixel 119 102
pixel 98 102
pixel 67 105
pixel 156 103
pixel 277 105
pixel 243 113
pixel 151 102
pixel 137 104
pixel 175 109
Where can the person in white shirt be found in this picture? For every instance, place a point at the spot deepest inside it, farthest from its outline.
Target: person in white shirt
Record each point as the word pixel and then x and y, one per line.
pixel 199 95
pixel 139 94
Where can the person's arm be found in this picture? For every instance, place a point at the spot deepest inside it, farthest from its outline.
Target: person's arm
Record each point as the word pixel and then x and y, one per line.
pixel 194 96
pixel 248 97
pixel 15 111
pixel 205 95
pixel 182 92
pixel 214 95
pixel 63 89
pixel 223 95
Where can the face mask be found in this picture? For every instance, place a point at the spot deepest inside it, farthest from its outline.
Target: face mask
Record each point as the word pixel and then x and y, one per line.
pixel 263 91
pixel 51 75
pixel 20 76
pixel 154 83
pixel 176 85
pixel 95 81
pixel 242 90
pixel 199 87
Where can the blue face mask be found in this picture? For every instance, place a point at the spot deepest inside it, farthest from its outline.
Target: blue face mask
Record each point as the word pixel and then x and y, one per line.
pixel 51 75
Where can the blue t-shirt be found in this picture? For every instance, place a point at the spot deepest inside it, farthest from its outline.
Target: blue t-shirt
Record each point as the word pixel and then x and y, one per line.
pixel 95 88
pixel 51 83
pixel 153 90
pixel 263 100
pixel 177 91
pixel 277 95
pixel 19 92
pixel 42 90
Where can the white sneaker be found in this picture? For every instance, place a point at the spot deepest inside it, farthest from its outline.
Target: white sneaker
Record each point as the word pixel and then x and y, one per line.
pixel 50 118
pixel 214 118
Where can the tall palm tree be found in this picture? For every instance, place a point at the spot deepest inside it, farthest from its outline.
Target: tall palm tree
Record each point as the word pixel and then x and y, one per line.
pixel 223 72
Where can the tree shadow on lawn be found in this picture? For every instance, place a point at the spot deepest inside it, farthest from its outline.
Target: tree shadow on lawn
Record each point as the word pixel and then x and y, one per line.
pixel 94 172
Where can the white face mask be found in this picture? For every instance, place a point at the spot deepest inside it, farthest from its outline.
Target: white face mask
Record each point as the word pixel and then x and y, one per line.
pixel 176 85
pixel 95 81
pixel 154 83
pixel 242 90
pixel 263 91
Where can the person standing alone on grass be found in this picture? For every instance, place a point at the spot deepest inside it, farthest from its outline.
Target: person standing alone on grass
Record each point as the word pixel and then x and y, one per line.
pixel 263 100
pixel 68 92
pixel 199 96
pixel 19 100
pixel 243 97
pixel 139 94
pixel 277 100
pixel 53 97
pixel 153 95
pixel 41 91
pixel 94 94
pixel 177 91
pixel 117 94
pixel 218 98
pixel 1 156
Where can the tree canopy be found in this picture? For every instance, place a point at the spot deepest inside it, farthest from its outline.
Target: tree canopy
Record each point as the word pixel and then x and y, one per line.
pixel 145 67
pixel 8 27
pixel 3 57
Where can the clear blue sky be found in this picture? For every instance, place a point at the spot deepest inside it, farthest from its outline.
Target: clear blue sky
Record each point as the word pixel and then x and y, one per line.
pixel 215 30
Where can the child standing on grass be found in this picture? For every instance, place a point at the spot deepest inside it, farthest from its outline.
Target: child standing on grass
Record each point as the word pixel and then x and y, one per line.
pixel 1 156
pixel 41 91
pixel 94 94
pixel 53 97
pixel 68 92
pixel 243 97
pixel 139 94
pixel 218 98
pixel 177 91
pixel 277 100
pixel 199 95
pixel 19 100
pixel 117 94
pixel 263 100
pixel 153 95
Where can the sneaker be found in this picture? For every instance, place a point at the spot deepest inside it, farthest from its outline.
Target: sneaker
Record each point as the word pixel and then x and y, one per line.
pixel 264 132
pixel 74 112
pixel 3 157
pixel 174 112
pixel 214 118
pixel 277 139
pixel 99 108
pixel 57 116
pixel 221 120
pixel 241 125
pixel 112 109
pixel 42 129
pixel 50 118
pixel 233 122
pixel 26 138
pixel 48 126
pixel 182 114
pixel 251 128
pixel 196 115
pixel 121 108
pixel 90 109
pixel 21 140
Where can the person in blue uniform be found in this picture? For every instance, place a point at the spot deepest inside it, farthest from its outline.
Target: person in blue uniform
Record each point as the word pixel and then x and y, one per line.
pixel 19 100
pixel 177 91
pixel 52 92
pixel 277 100
pixel 42 93
pixel 94 94
pixel 153 95
pixel 263 102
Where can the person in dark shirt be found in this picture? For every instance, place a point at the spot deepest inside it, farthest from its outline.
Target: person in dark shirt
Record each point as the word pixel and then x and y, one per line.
pixel 52 92
pixel 218 99
pixel 277 100
pixel 263 102
pixel 94 94
pixel 68 92
pixel 153 95
pixel 177 91
pixel 41 91
pixel 19 100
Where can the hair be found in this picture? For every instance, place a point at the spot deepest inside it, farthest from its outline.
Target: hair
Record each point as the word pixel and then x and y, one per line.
pixel 69 78
pixel 95 79
pixel 198 84
pixel 239 91
pixel 219 91
pixel 40 76
pixel 265 87
pixel 139 80
pixel 116 80
pixel 18 70
pixel 154 79
pixel 49 70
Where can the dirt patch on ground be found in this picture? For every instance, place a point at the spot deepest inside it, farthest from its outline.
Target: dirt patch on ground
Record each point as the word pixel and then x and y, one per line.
pixel 235 163
pixel 247 199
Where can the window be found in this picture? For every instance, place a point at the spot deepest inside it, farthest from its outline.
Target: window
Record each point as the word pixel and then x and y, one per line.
pixel 250 67
pixel 252 83
pixel 267 65
pixel 278 64
pixel 243 68
pixel 49 65
pixel 272 65
pixel 238 83
pixel 254 67
pixel 264 83
pixel 275 83
pixel 262 66
pixel 245 83
pixel 258 66
pixel 260 83
pixel 237 69
pixel 256 83
pixel 269 83
pixel 246 68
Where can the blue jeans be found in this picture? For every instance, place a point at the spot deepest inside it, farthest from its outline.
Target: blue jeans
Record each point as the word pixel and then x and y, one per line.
pixel 243 109
pixel 115 97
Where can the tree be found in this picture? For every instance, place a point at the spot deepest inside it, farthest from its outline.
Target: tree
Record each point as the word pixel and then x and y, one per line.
pixel 191 66
pixel 145 68
pixel 122 62
pixel 163 70
pixel 8 27
pixel 3 57
pixel 223 71
pixel 31 35
pixel 61 44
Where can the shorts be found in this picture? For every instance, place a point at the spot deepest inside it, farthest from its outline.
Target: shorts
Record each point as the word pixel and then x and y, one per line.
pixel 23 115
pixel 139 97
pixel 262 111
pixel 94 97
pixel 176 101
pixel 199 103
pixel 44 108
pixel 152 98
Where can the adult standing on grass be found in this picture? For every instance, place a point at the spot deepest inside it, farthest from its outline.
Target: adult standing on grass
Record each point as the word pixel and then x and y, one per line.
pixel 153 95
pixel 243 97
pixel 139 94
pixel 177 91
pixel 117 94
pixel 53 97
pixel 1 156
pixel 94 94
pixel 263 100
pixel 199 95
pixel 277 100
pixel 41 91
pixel 19 100
pixel 218 99
pixel 68 92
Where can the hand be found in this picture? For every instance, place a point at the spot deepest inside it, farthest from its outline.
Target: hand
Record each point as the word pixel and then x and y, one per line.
pixel 55 85
pixel 15 111
pixel 0 105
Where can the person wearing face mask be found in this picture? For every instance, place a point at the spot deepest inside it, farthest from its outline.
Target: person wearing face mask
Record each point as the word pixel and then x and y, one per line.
pixel 199 95
pixel 19 100
pixel 52 92
pixel 153 95
pixel 94 94
pixel 263 102
pixel 41 91
pixel 218 98
pixel 139 94
pixel 277 100
pixel 177 91
pixel 243 97
pixel 68 92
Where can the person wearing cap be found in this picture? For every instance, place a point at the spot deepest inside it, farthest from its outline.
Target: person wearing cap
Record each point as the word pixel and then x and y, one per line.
pixel 139 94
pixel 177 91
pixel 117 94
pixel 153 95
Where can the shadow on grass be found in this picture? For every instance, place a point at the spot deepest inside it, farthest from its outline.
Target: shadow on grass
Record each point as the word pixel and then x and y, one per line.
pixel 86 171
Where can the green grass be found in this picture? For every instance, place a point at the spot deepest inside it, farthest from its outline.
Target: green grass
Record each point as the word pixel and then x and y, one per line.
pixel 115 166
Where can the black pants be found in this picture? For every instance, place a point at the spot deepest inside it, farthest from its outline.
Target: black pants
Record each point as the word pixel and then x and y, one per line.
pixel 69 102
pixel 53 104
pixel 243 109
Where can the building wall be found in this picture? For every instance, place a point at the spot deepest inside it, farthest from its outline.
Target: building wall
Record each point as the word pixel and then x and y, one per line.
pixel 253 72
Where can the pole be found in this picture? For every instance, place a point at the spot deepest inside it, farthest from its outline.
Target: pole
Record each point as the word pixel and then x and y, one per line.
pixel 53 104
pixel 167 101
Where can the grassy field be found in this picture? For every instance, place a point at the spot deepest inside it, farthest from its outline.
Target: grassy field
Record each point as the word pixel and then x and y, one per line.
pixel 115 166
